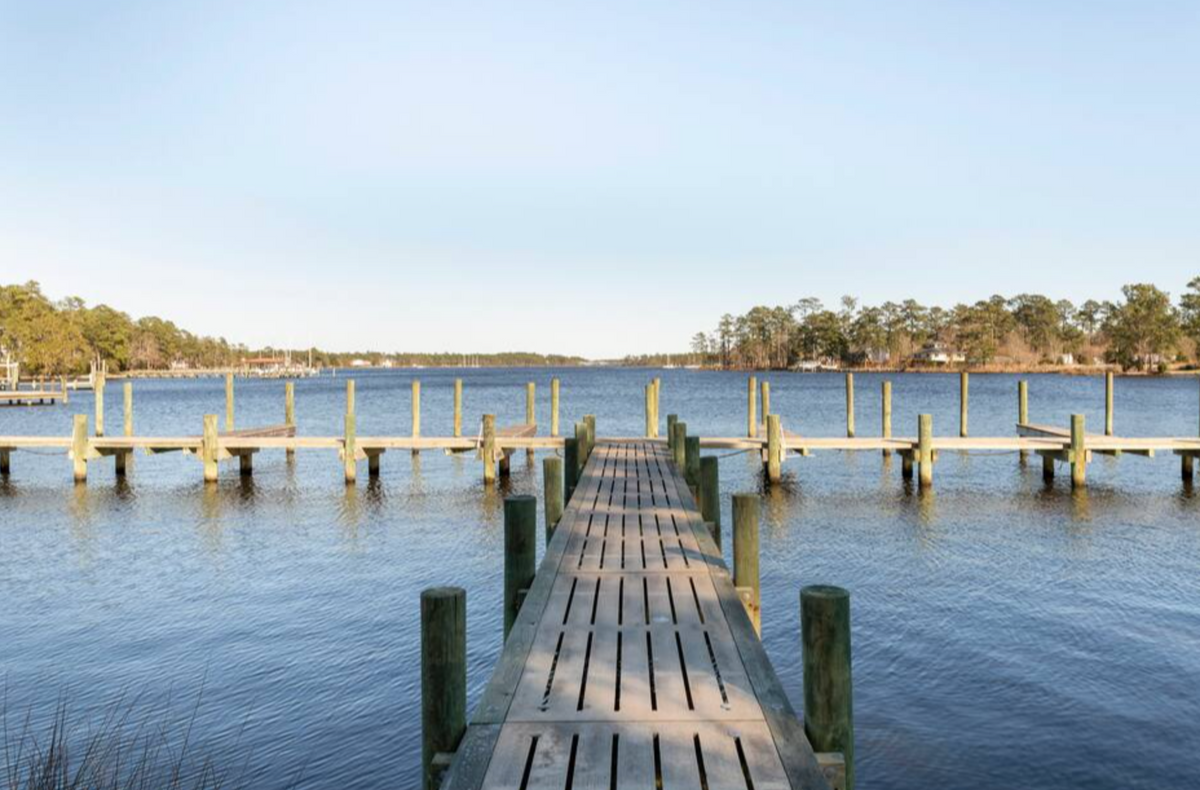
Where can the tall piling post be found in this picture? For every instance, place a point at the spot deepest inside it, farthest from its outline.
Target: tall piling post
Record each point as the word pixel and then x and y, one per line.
pixel 925 449
pixel 657 403
pixel 710 495
pixel 443 679
pixel 751 407
pixel 649 410
pixel 530 412
pixel 964 384
pixel 679 453
pixel 1108 403
pixel 554 395
pixel 671 420
pixel 488 450
pixel 5 462
pixel 570 467
pixel 552 487
pixel 850 405
pixel 745 556
pixel 1078 452
pixel 691 464
pixel 774 448
pixel 98 393
pixel 209 449
pixel 580 449
pixel 1023 412
pixel 886 413
pixel 458 406
pixel 590 421
pixel 520 554
pixel 350 437
pixel 828 687
pixel 122 459
pixel 765 389
pixel 289 412
pixel 228 402
pixel 79 447
pixel 416 413
pixel 66 393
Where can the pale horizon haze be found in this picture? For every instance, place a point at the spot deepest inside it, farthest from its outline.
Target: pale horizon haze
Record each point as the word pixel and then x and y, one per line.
pixel 593 179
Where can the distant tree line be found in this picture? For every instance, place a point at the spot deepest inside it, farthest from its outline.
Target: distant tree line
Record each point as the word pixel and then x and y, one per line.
pixel 1142 330
pixel 64 337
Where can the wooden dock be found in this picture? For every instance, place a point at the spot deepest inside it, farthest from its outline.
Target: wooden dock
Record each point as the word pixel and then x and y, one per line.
pixel 32 397
pixel 633 662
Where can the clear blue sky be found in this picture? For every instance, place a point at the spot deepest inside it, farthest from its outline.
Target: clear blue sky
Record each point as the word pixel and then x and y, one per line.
pixel 598 178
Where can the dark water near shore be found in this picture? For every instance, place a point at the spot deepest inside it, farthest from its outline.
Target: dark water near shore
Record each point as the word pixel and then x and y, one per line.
pixel 1006 634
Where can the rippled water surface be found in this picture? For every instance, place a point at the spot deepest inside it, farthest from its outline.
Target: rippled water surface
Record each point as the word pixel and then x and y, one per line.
pixel 1006 633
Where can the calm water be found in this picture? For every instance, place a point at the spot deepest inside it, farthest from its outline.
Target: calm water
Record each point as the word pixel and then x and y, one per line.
pixel 1005 634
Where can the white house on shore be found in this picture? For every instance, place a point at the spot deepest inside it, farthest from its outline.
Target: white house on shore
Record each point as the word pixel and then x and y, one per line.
pixel 939 354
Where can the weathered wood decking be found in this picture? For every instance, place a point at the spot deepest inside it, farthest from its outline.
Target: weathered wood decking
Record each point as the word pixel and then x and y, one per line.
pixel 633 662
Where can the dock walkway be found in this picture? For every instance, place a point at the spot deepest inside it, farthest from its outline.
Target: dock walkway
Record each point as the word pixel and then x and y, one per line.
pixel 633 662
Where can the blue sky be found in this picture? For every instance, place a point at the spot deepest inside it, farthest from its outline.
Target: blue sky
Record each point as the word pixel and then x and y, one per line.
pixel 598 178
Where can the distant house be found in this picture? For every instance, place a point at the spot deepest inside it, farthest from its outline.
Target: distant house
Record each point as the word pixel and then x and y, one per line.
pixel 1066 359
pixel 360 363
pixel 878 356
pixel 939 354
pixel 180 364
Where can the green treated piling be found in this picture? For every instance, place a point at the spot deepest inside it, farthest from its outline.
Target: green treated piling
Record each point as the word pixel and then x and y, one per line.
pixel 1108 403
pixel 679 451
pixel 671 420
pixel 745 555
pixel 710 495
pixel 774 448
pixel 925 449
pixel 886 415
pixel 570 467
pixel 489 449
pixel 828 687
pixel 1078 452
pixel 691 463
pixel 520 554
pixel 964 383
pixel 552 486
pixel 443 679
pixel 751 407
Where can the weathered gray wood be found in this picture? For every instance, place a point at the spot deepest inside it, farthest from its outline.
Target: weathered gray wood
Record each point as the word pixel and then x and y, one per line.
pixel 349 437
pixel 79 447
pixel 828 688
pixel 886 405
pixel 209 449
pixel 766 399
pixel 751 407
pixel 554 396
pixel 98 397
pixel 489 449
pixel 774 448
pixel 443 675
pixel 1078 452
pixel 1108 403
pixel 1023 411
pixel 964 383
pixel 925 453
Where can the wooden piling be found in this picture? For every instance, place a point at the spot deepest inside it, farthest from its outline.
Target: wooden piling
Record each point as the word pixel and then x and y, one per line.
pixel 765 389
pixel 580 448
pixel 886 416
pixel 828 687
pixel 906 466
pixel 489 449
pixel 530 411
pixel 289 411
pixel 710 495
pixel 350 437
pixel 98 392
pixel 774 448
pixel 1048 468
pixel 570 467
pixel 66 393
pixel 520 554
pixel 925 449
pixel 679 452
pixel 1078 452
pixel 657 403
pixel 649 410
pixel 1023 414
pixel 122 459
pixel 671 420
pixel 552 487
pixel 443 679
pixel 691 463
pixel 5 462
pixel 751 407
pixel 590 421
pixel 745 556
pixel 416 412
pixel 850 405
pixel 458 404
pixel 209 449
pixel 1187 467
pixel 964 383
pixel 1108 403
pixel 228 402
pixel 79 447
pixel 554 388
